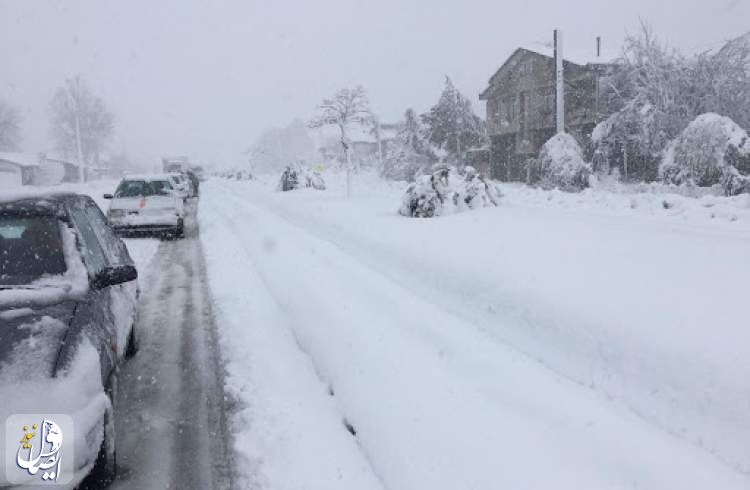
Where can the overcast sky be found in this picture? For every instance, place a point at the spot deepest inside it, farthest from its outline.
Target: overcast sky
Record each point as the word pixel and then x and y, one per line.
pixel 203 78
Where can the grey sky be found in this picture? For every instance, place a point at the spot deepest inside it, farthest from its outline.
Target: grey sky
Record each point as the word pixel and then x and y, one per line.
pixel 204 78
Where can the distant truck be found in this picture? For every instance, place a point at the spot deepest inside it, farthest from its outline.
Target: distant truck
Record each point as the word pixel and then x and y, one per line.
pixel 175 164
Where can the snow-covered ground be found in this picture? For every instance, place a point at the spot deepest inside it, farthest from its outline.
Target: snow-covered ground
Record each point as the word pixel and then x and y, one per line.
pixel 593 340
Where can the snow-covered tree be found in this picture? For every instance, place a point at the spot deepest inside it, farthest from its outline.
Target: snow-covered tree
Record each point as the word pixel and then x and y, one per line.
pixel 656 92
pixel 650 92
pixel 10 127
pixel 721 81
pixel 347 106
pixel 412 134
pixel 561 164
pixel 408 152
pixel 451 124
pixel 711 150
pixel 278 147
pixel 76 112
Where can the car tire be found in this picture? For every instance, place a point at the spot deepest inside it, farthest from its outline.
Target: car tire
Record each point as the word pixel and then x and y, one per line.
pixel 105 468
pixel 132 347
pixel 180 233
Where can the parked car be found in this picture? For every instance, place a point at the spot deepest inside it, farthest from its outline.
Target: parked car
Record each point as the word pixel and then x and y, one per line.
pixel 195 181
pixel 146 205
pixel 68 294
pixel 181 185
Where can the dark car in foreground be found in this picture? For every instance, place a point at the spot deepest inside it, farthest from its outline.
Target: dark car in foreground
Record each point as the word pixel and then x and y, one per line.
pixel 68 292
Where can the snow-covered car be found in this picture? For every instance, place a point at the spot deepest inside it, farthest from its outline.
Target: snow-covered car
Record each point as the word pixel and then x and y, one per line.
pixel 146 205
pixel 68 296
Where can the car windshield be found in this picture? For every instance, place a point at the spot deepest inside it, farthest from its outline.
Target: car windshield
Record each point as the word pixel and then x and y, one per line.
pixel 30 247
pixel 143 188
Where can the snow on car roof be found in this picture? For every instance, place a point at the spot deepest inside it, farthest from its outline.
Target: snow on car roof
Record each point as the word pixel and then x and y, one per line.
pixel 146 177
pixel 39 197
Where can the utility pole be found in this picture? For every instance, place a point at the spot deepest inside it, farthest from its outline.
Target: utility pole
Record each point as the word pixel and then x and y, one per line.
pixel 75 107
pixel 379 140
pixel 596 79
pixel 559 82
pixel 81 169
pixel 345 145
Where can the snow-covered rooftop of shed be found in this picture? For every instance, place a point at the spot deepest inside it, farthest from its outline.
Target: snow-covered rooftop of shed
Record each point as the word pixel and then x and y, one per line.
pixel 20 159
pixel 59 158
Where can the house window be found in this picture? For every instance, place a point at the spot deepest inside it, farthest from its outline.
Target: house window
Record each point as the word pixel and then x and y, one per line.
pixel 549 102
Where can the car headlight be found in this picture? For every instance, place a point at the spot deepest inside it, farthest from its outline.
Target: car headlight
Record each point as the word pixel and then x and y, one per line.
pixel 116 213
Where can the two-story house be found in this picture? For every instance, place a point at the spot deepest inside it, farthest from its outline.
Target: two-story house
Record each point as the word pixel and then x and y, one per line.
pixel 520 103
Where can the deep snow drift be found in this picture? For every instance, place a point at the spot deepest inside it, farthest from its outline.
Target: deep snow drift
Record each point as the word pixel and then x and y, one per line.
pixel 593 340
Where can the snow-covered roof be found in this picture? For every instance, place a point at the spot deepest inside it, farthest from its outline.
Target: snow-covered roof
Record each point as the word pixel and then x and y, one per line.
pixel 56 157
pixel 20 159
pixel 579 56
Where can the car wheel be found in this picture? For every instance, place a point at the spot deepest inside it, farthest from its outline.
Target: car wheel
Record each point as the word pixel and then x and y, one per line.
pixel 180 233
pixel 105 468
pixel 132 348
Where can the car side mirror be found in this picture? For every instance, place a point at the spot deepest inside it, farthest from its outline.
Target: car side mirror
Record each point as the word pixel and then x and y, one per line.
pixel 111 276
pixel 108 196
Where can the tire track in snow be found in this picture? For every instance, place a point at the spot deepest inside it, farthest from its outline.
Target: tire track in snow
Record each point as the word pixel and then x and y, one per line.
pixel 234 226
pixel 171 404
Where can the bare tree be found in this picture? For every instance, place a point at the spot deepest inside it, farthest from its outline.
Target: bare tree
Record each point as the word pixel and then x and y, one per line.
pixel 347 106
pixel 81 123
pixel 10 127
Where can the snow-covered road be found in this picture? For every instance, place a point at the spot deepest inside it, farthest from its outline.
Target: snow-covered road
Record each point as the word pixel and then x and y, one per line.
pixel 370 351
pixel 171 429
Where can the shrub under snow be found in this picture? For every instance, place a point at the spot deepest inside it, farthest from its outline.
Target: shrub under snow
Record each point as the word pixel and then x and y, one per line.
pixel 445 191
pixel 295 176
pixel 708 152
pixel 561 164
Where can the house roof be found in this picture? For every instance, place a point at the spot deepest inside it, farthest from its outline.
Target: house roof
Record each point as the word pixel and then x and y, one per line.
pixel 20 159
pixel 54 157
pixel 576 56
